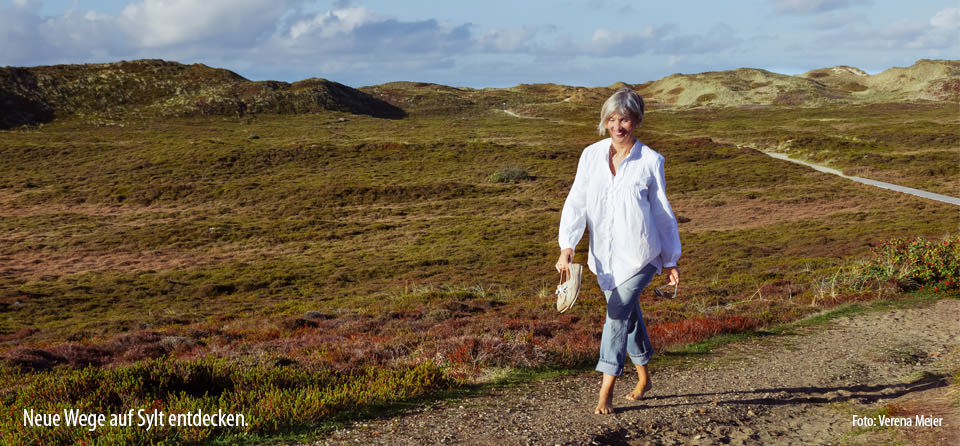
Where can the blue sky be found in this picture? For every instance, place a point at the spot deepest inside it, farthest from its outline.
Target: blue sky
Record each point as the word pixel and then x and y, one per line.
pixel 487 43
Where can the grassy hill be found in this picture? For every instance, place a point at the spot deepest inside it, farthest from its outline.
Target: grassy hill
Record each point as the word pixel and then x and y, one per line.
pixel 155 88
pixel 926 80
pixel 302 268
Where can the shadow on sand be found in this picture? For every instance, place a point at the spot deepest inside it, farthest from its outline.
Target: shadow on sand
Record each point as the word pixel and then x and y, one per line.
pixel 795 395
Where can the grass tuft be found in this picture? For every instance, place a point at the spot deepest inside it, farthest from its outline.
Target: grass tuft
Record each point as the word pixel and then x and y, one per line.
pixel 509 174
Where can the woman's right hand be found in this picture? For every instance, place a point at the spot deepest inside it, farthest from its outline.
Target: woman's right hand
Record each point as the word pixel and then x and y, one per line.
pixel 566 256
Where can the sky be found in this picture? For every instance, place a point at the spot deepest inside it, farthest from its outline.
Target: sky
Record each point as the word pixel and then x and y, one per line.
pixel 485 43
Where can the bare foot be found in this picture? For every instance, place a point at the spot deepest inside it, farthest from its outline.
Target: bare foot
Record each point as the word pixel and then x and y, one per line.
pixel 643 384
pixel 637 393
pixel 605 406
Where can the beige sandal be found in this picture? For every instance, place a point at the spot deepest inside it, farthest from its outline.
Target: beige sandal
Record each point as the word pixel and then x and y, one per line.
pixel 569 287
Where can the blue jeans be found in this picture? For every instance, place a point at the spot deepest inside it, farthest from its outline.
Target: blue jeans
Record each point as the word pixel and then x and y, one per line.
pixel 623 331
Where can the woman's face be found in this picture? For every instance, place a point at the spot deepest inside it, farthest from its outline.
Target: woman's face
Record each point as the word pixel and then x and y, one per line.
pixel 620 128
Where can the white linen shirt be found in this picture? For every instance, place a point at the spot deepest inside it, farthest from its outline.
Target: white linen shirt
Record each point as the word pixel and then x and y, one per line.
pixel 631 222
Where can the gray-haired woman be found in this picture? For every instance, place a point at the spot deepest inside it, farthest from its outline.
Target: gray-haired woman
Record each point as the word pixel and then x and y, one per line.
pixel 619 193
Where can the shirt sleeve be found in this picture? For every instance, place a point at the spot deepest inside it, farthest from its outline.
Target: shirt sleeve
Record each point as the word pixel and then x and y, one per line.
pixel 664 219
pixel 573 217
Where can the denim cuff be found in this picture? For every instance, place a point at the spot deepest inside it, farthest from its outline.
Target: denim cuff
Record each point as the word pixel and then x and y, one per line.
pixel 641 360
pixel 610 368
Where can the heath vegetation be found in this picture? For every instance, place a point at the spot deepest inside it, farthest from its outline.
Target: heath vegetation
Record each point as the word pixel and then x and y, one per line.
pixel 306 268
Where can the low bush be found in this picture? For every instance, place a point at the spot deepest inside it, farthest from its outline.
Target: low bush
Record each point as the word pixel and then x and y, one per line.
pixel 269 398
pixel 914 263
pixel 706 97
pixel 697 329
pixel 509 174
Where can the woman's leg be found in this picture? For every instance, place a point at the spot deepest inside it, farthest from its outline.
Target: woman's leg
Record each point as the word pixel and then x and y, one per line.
pixel 605 405
pixel 638 343
pixel 616 327
pixel 620 324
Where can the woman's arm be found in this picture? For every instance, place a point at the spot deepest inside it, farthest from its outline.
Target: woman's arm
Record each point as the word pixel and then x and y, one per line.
pixel 573 217
pixel 666 223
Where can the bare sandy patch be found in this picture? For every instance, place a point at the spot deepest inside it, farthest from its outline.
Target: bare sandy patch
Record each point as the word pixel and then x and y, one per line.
pixel 24 254
pixel 82 209
pixel 740 213
pixel 32 264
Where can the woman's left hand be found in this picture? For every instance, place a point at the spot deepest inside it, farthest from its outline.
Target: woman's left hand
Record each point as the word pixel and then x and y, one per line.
pixel 673 274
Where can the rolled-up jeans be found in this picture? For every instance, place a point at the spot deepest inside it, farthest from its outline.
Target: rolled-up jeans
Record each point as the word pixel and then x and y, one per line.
pixel 624 332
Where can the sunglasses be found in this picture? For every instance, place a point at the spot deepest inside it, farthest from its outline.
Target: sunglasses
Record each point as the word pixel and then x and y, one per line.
pixel 665 292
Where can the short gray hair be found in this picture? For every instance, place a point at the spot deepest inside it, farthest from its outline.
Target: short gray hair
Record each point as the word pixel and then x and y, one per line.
pixel 624 102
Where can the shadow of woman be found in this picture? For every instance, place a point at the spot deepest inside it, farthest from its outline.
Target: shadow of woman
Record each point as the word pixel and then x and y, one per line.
pixel 785 396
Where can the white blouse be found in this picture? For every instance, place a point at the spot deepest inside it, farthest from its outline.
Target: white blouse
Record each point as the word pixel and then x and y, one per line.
pixel 630 220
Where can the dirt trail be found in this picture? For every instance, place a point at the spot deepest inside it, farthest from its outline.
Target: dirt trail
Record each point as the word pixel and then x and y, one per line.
pixel 798 388
pixel 889 186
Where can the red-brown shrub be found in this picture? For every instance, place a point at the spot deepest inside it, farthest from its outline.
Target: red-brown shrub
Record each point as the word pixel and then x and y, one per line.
pixel 79 355
pixel 33 359
pixel 696 329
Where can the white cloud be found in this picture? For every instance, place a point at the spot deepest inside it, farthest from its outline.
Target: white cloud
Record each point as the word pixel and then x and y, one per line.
pixel 357 33
pixel 164 23
pixel 280 31
pixel 609 43
pixel 75 31
pixel 947 20
pixel 944 31
pixel 18 39
pixel 329 24
pixel 357 45
pixel 511 40
pixel 938 33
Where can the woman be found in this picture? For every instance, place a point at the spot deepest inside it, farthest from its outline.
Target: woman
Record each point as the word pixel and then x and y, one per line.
pixel 619 193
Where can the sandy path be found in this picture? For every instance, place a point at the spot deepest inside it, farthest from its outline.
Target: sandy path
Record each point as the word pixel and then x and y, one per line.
pixel 889 186
pixel 800 388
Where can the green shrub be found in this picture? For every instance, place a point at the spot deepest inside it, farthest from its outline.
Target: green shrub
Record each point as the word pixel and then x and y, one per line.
pixel 916 263
pixel 706 97
pixel 509 174
pixel 853 87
